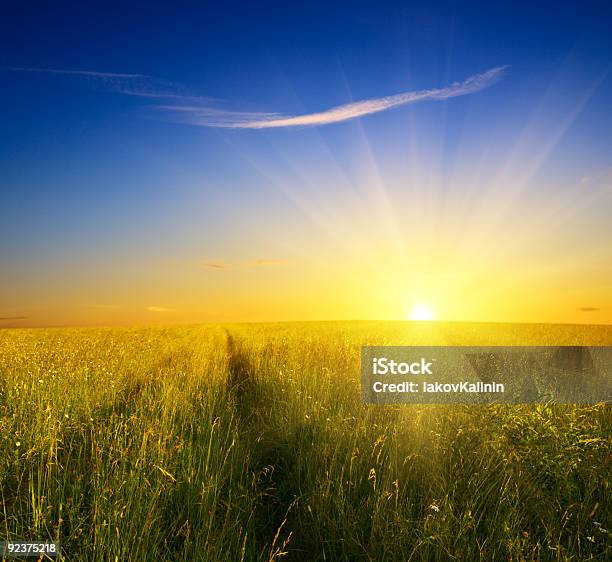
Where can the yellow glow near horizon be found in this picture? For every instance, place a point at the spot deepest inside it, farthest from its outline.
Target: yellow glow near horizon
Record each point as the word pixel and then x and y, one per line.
pixel 473 251
pixel 421 312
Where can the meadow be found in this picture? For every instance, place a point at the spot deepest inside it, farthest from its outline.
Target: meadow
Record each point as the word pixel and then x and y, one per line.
pixel 250 442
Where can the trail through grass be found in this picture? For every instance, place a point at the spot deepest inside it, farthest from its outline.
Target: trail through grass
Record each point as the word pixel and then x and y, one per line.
pixel 250 442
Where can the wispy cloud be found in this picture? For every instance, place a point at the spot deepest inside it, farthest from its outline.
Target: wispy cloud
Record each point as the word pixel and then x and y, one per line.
pixel 129 84
pixel 11 318
pixel 588 309
pixel 601 180
pixel 159 309
pixel 250 264
pixel 88 73
pixel 211 117
pixel 184 107
pixel 101 306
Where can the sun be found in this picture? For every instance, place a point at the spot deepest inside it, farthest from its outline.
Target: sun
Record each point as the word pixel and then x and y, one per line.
pixel 421 312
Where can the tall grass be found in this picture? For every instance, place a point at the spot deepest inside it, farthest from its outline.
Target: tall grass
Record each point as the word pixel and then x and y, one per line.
pixel 250 442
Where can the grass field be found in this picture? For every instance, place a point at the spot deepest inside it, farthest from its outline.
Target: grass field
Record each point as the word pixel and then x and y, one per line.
pixel 250 442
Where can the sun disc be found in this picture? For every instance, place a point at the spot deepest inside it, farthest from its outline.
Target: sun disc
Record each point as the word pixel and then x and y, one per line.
pixel 421 312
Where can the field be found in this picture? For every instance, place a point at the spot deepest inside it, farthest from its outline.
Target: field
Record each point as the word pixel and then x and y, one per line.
pixel 250 442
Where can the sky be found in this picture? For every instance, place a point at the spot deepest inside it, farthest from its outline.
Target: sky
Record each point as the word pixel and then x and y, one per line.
pixel 305 161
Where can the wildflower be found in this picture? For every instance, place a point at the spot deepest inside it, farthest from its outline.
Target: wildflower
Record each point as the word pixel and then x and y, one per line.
pixel 599 527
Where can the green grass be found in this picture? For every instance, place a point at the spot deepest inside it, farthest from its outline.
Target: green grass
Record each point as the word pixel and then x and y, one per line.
pixel 250 442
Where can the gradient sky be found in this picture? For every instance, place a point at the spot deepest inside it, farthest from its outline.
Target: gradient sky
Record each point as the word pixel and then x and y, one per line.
pixel 174 164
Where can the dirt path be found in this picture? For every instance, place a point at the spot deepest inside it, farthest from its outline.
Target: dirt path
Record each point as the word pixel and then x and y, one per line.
pixel 272 457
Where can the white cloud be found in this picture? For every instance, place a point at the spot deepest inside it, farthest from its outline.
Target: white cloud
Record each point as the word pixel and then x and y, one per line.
pixel 197 113
pixel 211 117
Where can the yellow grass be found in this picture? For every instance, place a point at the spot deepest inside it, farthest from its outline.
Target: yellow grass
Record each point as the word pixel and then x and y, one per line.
pixel 251 442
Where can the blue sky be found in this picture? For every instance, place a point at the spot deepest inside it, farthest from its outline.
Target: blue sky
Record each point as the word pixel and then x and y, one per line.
pixel 102 189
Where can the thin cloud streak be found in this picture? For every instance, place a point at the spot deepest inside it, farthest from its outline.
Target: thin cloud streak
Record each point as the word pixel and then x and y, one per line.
pixel 251 264
pixel 139 85
pixel 197 113
pixel 210 117
pixel 159 309
pixel 89 73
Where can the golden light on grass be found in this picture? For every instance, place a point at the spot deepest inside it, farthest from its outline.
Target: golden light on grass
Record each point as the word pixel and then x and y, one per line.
pixel 121 407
